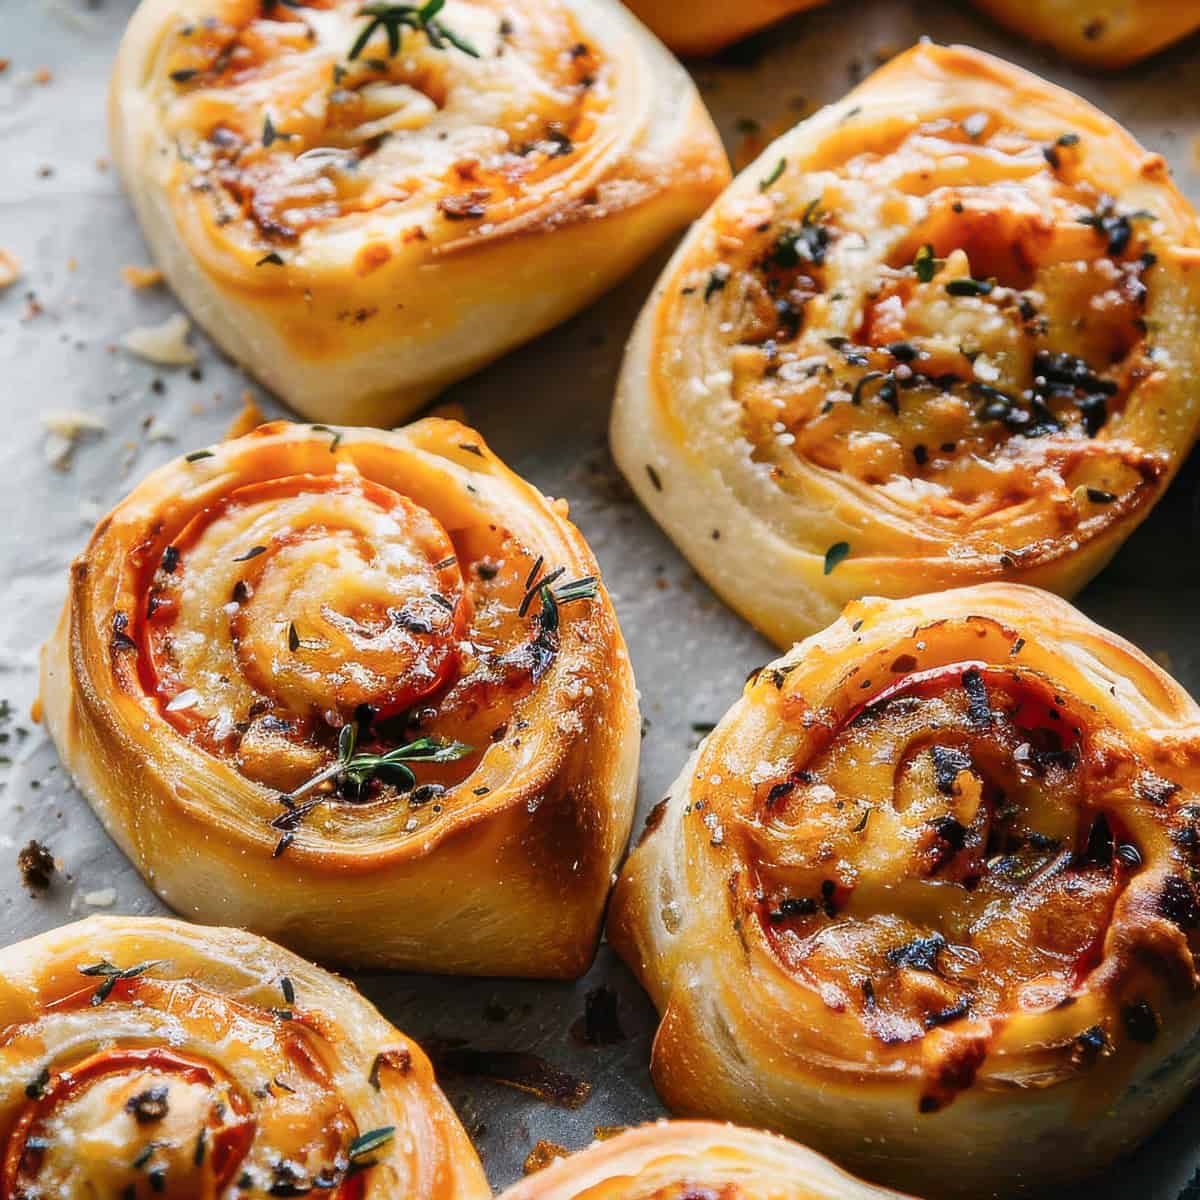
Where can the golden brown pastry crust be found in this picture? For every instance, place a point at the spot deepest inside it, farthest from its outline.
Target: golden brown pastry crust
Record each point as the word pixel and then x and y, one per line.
pixel 930 883
pixel 1099 33
pixel 672 1160
pixel 146 1056
pixel 361 231
pixel 942 332
pixel 246 608
pixel 705 26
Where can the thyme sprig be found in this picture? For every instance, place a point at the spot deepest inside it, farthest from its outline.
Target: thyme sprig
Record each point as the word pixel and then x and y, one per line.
pixel 359 769
pixel 393 19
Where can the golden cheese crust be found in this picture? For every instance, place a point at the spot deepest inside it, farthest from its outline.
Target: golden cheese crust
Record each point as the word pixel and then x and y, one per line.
pixel 931 883
pixel 706 26
pixel 360 691
pixel 362 208
pixel 678 1160
pixel 143 1056
pixel 943 332
pixel 1098 33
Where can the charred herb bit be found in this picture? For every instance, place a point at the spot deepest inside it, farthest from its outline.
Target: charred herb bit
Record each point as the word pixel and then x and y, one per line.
pixel 1178 903
pixel 149 1106
pixel 717 279
pixel 201 1146
pixel 253 552
pixel 1099 496
pixel 288 989
pixel 272 259
pixel 979 710
pixel 170 559
pixel 336 435
pixel 803 243
pixel 1141 1022
pixel 946 1015
pixel 471 448
pixel 36 864
pixel 835 555
pixel 925 264
pixel 921 954
pixel 1099 849
pixel 775 175
pixel 270 134
pixel 948 763
pixel 197 455
pixel 1115 227
pixel 395 1060
pixel 971 287
pixel 793 906
pixel 293 637
pixel 35 1089
pixel 184 75
pixel 111 975
pixel 1067 377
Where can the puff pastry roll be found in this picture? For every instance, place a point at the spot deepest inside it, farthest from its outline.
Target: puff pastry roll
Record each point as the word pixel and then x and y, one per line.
pixel 364 203
pixel 941 333
pixel 705 26
pixel 694 1158
pixel 142 1057
pixel 931 882
pixel 1098 33
pixel 358 691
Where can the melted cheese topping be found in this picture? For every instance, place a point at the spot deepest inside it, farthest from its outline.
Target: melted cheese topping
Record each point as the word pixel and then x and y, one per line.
pixel 135 1119
pixel 300 605
pixel 291 132
pixel 951 316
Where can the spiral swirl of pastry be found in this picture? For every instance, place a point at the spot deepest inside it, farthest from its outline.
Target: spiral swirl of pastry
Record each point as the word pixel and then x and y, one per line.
pixel 932 882
pixel 356 690
pixel 365 202
pixel 676 1159
pixel 1099 33
pixel 705 26
pixel 143 1057
pixel 942 333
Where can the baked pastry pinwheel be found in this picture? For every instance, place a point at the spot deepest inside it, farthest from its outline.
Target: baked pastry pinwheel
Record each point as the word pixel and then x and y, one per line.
pixel 944 332
pixel 705 26
pixel 1099 33
pixel 932 881
pixel 694 1158
pixel 359 691
pixel 144 1057
pixel 365 202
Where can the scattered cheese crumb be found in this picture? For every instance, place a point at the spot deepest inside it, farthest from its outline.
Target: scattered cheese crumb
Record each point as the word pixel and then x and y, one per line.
pixel 250 418
pixel 66 428
pixel 103 898
pixel 141 277
pixel 165 344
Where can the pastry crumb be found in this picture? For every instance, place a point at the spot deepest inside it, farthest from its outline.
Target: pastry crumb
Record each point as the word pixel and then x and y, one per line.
pixel 10 269
pixel 141 277
pixel 164 344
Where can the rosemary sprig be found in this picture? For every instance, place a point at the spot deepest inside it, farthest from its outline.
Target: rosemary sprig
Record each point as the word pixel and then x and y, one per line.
pixel 393 19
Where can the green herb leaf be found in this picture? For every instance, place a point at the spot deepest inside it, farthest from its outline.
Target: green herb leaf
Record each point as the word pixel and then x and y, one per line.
pixel 365 1143
pixel 774 176
pixel 835 554
pixel 925 264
